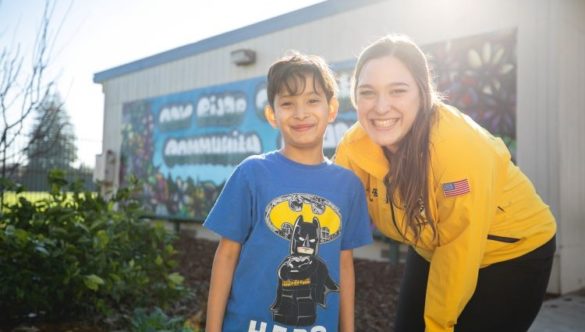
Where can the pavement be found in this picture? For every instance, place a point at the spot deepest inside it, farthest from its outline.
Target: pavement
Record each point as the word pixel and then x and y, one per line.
pixel 562 314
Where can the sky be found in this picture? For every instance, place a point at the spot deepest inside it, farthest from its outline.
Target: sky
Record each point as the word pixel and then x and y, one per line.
pixel 92 36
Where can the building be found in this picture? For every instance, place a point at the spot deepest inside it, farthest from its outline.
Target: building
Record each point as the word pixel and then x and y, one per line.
pixel 181 119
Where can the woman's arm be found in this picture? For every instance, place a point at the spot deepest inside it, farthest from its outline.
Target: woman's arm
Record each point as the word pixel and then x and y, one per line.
pixel 222 272
pixel 466 167
pixel 347 292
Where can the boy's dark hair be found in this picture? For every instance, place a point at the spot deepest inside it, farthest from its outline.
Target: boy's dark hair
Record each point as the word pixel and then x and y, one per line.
pixel 288 73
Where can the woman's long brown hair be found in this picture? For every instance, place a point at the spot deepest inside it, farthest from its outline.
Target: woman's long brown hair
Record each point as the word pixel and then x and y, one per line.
pixel 410 164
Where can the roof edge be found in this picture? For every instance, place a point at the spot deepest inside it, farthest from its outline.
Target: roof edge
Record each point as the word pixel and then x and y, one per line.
pixel 281 22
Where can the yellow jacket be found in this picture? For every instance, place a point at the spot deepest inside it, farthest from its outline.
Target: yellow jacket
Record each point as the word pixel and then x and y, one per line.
pixel 500 217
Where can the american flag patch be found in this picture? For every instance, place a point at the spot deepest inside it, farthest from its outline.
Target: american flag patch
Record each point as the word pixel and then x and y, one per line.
pixel 456 188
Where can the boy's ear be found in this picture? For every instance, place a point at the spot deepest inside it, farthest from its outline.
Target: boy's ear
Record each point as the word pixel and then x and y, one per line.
pixel 333 109
pixel 269 115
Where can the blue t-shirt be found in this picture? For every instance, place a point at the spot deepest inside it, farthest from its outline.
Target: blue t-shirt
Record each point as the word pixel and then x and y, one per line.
pixel 292 221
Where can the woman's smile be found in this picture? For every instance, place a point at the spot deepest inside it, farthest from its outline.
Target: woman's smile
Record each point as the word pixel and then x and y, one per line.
pixel 384 123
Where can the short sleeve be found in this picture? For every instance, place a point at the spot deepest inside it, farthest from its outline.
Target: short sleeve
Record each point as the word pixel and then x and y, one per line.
pixel 357 231
pixel 231 216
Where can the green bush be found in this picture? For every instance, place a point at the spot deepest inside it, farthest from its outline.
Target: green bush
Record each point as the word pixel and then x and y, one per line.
pixel 156 321
pixel 79 255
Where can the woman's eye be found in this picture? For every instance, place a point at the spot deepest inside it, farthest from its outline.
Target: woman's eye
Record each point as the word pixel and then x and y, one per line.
pixel 397 91
pixel 314 101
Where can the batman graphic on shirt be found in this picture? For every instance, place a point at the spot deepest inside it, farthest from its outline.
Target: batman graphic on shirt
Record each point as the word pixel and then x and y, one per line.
pixel 303 277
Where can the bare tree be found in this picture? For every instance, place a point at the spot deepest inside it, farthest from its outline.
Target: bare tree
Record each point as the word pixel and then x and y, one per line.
pixel 21 92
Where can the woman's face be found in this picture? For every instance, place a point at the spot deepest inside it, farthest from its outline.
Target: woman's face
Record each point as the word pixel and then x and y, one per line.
pixel 387 99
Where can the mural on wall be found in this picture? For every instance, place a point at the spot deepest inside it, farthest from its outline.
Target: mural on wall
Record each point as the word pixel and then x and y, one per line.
pixel 182 147
pixel 478 76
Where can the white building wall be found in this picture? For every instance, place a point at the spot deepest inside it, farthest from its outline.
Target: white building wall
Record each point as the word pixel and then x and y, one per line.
pixel 570 70
pixel 550 94
pixel 536 127
pixel 111 138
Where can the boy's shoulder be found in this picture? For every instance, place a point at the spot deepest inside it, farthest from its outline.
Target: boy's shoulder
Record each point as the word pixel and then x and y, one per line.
pixel 256 159
pixel 339 169
pixel 256 163
pixel 345 173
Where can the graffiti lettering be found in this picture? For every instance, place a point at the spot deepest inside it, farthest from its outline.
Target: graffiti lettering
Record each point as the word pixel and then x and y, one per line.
pixel 213 149
pixel 175 116
pixel 221 110
pixel 175 113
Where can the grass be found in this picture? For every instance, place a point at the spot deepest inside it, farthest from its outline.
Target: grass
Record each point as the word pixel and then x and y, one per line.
pixel 11 197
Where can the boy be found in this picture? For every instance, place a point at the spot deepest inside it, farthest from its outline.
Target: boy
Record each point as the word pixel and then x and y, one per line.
pixel 289 219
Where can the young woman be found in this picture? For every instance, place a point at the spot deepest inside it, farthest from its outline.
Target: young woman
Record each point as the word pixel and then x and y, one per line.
pixel 481 239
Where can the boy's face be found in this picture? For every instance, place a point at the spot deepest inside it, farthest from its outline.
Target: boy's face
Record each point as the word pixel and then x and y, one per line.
pixel 303 118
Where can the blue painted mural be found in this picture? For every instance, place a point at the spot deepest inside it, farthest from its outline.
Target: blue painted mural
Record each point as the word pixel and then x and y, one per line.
pixel 182 147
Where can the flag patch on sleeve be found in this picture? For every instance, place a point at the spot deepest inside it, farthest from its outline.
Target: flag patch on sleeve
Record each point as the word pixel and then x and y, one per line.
pixel 456 188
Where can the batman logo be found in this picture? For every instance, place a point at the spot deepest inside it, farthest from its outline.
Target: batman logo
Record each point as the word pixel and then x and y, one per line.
pixel 282 212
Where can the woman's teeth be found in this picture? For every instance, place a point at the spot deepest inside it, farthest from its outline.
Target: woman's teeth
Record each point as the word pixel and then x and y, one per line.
pixel 384 123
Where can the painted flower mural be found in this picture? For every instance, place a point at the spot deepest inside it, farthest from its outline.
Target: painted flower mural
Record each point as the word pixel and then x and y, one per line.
pixel 478 75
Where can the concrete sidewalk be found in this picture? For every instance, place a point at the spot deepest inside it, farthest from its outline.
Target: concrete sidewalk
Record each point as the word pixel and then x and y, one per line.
pixel 562 314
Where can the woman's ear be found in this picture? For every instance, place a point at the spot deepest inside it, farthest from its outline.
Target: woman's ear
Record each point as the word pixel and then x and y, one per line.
pixel 269 115
pixel 333 109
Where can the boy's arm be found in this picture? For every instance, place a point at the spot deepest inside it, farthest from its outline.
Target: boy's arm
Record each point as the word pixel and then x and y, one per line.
pixel 346 292
pixel 222 272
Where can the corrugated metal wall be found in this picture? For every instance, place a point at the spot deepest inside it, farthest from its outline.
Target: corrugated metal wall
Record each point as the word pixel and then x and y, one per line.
pixel 570 57
pixel 537 130
pixel 551 79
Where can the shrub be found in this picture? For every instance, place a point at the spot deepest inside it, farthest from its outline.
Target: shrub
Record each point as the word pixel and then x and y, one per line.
pixel 156 321
pixel 80 255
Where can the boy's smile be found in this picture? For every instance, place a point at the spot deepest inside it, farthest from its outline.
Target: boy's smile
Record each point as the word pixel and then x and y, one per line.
pixel 302 119
pixel 302 127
